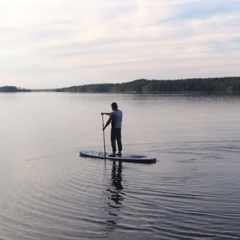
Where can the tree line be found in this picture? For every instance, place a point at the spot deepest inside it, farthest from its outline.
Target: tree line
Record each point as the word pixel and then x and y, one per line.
pixel 13 89
pixel 225 84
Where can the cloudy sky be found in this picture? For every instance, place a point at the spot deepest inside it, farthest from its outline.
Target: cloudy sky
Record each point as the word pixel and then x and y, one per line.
pixel 61 43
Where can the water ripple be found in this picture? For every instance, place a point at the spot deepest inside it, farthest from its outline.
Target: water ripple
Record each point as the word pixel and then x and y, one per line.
pixel 191 194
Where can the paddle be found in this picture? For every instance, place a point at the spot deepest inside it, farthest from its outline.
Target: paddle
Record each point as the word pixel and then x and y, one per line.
pixel 104 144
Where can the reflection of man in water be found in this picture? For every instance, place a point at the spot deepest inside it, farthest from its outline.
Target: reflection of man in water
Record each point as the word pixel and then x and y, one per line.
pixel 116 180
pixel 115 117
pixel 115 196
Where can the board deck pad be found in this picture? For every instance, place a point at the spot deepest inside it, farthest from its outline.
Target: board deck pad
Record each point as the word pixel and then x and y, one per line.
pixel 123 158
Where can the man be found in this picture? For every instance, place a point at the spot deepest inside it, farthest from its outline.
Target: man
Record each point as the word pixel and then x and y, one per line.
pixel 115 118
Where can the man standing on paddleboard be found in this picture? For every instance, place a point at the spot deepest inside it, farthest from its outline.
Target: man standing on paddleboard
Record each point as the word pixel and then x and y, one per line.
pixel 115 118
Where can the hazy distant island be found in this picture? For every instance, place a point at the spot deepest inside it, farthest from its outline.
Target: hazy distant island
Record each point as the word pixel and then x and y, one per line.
pixel 225 84
pixel 13 89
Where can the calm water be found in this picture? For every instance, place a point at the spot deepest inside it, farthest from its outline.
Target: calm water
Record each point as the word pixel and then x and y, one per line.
pixel 48 192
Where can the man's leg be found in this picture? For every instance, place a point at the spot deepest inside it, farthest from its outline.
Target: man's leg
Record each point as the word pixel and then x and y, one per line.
pixel 119 141
pixel 113 140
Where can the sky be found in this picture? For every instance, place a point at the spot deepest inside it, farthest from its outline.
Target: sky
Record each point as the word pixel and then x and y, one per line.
pixel 62 43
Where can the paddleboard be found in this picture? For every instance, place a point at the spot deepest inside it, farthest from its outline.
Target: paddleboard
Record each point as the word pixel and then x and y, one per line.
pixel 124 158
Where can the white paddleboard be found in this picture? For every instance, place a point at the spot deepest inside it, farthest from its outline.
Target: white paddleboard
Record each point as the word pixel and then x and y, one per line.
pixel 124 158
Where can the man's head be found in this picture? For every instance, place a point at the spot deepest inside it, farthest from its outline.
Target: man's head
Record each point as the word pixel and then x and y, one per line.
pixel 114 106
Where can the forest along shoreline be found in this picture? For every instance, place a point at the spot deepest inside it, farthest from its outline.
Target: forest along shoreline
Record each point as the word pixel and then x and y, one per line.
pixel 224 84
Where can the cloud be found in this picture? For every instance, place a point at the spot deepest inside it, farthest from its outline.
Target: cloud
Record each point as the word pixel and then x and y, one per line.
pixel 60 43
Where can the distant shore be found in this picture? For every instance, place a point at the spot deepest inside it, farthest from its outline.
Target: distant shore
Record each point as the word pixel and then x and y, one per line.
pixel 224 84
pixel 13 89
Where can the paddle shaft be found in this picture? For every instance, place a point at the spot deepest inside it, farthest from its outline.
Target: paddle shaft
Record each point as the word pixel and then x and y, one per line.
pixel 104 144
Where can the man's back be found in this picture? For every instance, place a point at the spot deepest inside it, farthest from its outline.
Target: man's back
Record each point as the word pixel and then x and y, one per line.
pixel 116 117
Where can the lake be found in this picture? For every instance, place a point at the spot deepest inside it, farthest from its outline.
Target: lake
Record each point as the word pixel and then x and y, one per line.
pixel 49 192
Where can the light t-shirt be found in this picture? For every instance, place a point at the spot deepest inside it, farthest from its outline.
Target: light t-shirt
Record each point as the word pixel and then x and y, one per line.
pixel 116 117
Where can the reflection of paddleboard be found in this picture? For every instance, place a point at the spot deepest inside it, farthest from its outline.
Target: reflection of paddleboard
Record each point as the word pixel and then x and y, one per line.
pixel 124 158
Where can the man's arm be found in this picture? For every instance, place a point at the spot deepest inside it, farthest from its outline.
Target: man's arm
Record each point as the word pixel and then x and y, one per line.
pixel 105 113
pixel 109 120
pixel 107 123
